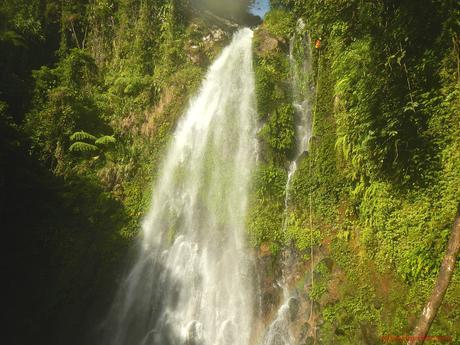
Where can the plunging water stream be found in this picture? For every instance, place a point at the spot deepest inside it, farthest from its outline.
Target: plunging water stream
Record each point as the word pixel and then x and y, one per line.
pixel 300 68
pixel 278 333
pixel 192 283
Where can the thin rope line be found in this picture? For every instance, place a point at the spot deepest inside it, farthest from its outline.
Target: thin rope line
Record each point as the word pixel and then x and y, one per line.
pixel 310 193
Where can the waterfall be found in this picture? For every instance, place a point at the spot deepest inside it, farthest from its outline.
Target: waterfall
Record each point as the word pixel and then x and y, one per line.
pixel 278 333
pixel 192 283
pixel 300 65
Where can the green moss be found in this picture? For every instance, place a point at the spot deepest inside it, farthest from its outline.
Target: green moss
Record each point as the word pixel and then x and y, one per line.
pixel 380 173
pixel 277 137
pixel 279 23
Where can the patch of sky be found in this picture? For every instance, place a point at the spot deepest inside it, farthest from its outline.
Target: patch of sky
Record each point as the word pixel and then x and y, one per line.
pixel 260 8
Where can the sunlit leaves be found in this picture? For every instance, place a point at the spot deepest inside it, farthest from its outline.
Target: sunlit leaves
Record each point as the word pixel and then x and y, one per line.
pixel 82 135
pixel 105 140
pixel 82 147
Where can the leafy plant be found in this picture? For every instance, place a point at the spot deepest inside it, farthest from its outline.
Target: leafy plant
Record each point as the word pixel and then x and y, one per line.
pixel 96 143
pixel 82 147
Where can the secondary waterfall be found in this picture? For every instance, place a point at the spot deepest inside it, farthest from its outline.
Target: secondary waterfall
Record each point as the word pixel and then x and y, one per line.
pixel 192 283
pixel 278 332
pixel 300 63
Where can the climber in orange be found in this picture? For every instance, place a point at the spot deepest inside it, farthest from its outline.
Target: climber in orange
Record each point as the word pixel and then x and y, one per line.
pixel 318 43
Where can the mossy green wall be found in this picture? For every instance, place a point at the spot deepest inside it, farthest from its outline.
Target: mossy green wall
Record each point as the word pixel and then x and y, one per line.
pixel 381 172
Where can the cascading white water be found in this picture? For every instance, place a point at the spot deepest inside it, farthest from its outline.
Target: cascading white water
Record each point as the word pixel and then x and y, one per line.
pixel 278 332
pixel 192 283
pixel 300 64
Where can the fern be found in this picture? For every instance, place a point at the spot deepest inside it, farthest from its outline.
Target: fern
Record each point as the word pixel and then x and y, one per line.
pixel 82 135
pixel 105 140
pixel 80 146
pixel 12 37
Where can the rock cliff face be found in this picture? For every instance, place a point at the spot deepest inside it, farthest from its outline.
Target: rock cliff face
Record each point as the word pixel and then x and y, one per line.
pixel 378 214
pixel 268 44
pixel 286 283
pixel 200 52
pixel 289 312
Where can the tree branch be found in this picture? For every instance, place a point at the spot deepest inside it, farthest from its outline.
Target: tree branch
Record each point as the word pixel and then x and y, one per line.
pixel 442 283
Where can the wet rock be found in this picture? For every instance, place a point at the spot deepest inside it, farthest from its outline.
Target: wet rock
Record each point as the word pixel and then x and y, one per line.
pixel 194 333
pixel 269 301
pixel 266 44
pixel 275 339
pixel 264 250
pixel 279 340
pixel 218 35
pixel 269 44
pixel 228 335
pixel 305 329
pixel 195 53
pixel 294 306
pixel 309 341
pixel 196 57
pixel 312 308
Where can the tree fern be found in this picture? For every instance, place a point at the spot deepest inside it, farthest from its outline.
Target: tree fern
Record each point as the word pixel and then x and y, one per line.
pixel 82 135
pixel 105 140
pixel 80 146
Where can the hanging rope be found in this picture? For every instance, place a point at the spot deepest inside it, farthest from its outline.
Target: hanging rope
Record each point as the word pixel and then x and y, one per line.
pixel 317 46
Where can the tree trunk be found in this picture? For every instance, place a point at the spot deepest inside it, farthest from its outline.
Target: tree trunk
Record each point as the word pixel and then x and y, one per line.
pixel 444 277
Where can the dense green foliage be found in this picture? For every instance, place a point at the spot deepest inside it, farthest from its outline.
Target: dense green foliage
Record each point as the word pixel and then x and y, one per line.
pixel 382 175
pixel 91 90
pixel 276 137
pixel 89 94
